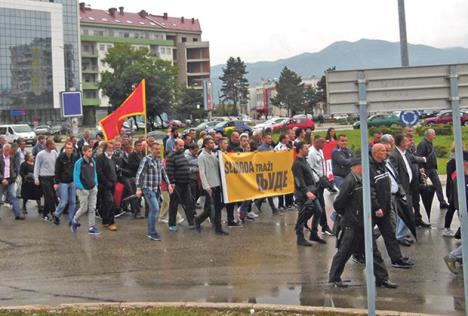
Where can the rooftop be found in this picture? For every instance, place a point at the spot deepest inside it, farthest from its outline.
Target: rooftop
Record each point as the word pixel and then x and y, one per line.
pixel 117 16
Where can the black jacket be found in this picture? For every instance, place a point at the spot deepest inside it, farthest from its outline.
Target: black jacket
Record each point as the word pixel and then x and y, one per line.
pixel 13 169
pixel 398 162
pixel 106 171
pixel 348 203
pixel 303 179
pixel 381 191
pixel 341 161
pixel 178 167
pixel 234 148
pixel 64 168
pixel 134 160
pixel 426 149
pixel 123 165
pixel 451 166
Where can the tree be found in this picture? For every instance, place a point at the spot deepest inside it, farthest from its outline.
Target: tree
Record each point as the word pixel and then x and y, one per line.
pixel 310 100
pixel 322 87
pixel 235 87
pixel 128 66
pixel 191 105
pixel 290 91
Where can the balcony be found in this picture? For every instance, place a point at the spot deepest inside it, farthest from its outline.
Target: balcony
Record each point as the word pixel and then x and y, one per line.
pixel 91 102
pixel 92 54
pixel 90 86
pixel 90 70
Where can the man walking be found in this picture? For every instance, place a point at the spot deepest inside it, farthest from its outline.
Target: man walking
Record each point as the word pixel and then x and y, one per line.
pixel 305 192
pixel 44 175
pixel 426 149
pixel 86 181
pixel 64 166
pixel 349 205
pixel 341 160
pixel 107 177
pixel 208 166
pixel 8 180
pixel 179 173
pixel 148 180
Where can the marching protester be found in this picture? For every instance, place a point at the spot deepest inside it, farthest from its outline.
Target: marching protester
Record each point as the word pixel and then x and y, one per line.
pixel 8 180
pixel 107 179
pixel 44 175
pixel 149 176
pixel 86 182
pixel 341 160
pixel 305 192
pixel 426 149
pixel 29 190
pixel 40 145
pixel 349 205
pixel 179 173
pixel 64 166
pixel 208 166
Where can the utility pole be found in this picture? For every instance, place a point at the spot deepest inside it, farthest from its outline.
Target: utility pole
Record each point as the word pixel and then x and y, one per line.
pixel 403 38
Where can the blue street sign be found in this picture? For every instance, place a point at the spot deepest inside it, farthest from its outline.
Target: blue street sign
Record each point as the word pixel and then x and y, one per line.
pixel 71 104
pixel 409 118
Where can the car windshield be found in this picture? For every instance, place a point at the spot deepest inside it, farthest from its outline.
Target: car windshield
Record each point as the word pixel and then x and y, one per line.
pixel 22 129
pixel 220 124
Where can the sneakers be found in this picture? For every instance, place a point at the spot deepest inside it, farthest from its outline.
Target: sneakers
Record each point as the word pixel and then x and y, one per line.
pixel 180 221
pixel 74 226
pixel 56 220
pixel 400 264
pixel 93 231
pixel 173 228
pixel 46 218
pixel 252 215
pixel 448 232
pixel 165 221
pixel 120 213
pixel 112 227
pixel 451 264
pixel 155 237
pixel 20 218
pixel 327 231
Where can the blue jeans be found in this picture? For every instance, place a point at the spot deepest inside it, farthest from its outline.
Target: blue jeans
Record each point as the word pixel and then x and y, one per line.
pixel 401 229
pixel 152 199
pixel 11 197
pixel 67 194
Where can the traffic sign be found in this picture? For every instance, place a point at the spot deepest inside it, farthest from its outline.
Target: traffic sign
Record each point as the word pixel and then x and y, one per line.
pixel 71 104
pixel 409 118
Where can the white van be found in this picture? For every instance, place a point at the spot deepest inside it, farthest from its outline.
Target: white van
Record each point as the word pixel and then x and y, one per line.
pixel 14 131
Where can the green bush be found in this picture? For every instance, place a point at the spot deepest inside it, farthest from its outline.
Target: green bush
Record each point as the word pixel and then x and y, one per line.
pixel 440 129
pixel 442 151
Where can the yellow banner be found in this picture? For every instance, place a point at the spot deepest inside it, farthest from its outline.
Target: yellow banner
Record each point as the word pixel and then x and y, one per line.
pixel 248 176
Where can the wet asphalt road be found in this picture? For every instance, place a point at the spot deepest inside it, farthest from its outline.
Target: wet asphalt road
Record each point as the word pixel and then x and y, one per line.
pixel 259 263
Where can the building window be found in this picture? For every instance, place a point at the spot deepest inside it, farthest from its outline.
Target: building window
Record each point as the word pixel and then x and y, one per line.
pixel 195 39
pixel 184 39
pixel 102 47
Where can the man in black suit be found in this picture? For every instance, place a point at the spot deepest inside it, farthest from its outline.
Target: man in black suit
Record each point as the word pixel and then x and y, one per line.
pixel 400 158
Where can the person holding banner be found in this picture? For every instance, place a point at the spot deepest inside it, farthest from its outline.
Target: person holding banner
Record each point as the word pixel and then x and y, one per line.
pixel 208 165
pixel 305 192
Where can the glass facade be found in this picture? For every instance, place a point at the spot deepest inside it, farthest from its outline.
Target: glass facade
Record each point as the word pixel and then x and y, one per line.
pixel 26 65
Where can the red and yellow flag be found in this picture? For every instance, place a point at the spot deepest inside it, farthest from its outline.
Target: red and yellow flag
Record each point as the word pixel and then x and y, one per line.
pixel 135 104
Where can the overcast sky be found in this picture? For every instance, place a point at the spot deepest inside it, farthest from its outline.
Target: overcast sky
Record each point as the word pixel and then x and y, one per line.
pixel 258 30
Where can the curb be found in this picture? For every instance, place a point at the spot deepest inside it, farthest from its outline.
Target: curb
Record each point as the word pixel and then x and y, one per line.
pixel 210 306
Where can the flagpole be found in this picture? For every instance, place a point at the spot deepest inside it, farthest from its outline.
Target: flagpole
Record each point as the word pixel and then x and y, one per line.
pixel 146 118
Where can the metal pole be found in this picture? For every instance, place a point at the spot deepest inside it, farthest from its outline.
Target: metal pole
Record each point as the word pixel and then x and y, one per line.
pixel 366 196
pixel 457 129
pixel 403 38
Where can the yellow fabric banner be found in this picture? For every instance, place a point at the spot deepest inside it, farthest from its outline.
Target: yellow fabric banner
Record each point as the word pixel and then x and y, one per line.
pixel 248 176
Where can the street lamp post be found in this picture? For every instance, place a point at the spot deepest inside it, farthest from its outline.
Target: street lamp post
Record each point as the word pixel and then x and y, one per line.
pixel 403 38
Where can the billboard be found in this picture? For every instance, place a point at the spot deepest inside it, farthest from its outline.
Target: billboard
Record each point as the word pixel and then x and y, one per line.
pixel 395 89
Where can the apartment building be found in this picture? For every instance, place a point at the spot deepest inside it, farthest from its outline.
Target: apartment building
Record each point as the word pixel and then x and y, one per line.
pixel 174 39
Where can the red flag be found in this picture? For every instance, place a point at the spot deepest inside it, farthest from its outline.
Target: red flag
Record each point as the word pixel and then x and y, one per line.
pixel 135 104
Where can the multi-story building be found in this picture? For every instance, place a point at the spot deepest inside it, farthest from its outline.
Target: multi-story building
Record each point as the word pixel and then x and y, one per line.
pixel 260 99
pixel 177 40
pixel 39 58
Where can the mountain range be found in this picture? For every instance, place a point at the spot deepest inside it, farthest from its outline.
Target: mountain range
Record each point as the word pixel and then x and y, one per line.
pixel 361 54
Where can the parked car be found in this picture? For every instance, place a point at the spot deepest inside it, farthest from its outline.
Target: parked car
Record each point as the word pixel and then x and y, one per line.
pixel 230 126
pixel 14 131
pixel 176 124
pixel 47 130
pixel 300 121
pixel 379 120
pixel 270 123
pixel 445 117
pixel 205 126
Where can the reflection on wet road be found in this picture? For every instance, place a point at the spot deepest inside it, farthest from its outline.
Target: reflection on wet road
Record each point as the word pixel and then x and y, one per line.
pixel 259 263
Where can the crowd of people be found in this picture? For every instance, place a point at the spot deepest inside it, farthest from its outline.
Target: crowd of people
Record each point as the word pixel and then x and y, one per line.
pixel 107 179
